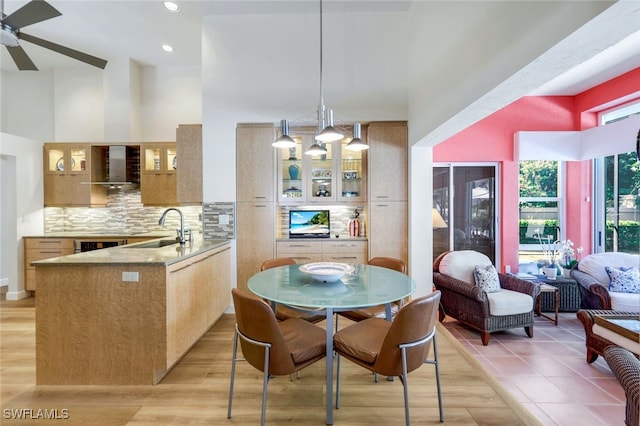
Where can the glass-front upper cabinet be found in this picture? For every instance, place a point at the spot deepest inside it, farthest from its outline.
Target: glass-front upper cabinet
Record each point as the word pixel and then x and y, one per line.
pixel 352 173
pixel 159 158
pixel 291 170
pixel 338 175
pixel 66 158
pixel 322 183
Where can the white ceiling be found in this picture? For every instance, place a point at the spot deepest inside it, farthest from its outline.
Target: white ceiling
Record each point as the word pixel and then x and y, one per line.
pixel 136 29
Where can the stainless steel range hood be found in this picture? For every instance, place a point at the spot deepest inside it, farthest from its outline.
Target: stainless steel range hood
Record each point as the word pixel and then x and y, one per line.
pixel 118 165
pixel 121 167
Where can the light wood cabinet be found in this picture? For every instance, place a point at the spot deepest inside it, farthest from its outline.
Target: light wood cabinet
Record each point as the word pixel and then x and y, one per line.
pixel 388 170
pixel 255 238
pixel 68 171
pixel 388 183
pixel 388 229
pixel 189 163
pixel 40 249
pixel 93 328
pixel 197 295
pixel 158 164
pixel 254 162
pixel 306 251
pixel 255 208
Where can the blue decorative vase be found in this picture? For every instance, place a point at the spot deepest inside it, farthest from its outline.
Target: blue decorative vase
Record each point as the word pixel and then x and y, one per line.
pixel 293 171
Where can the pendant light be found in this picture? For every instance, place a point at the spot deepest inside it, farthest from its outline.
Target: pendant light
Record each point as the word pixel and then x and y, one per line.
pixel 356 143
pixel 284 141
pixel 328 133
pixel 325 133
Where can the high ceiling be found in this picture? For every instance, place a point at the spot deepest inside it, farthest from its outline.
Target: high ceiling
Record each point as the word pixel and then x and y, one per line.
pixel 136 29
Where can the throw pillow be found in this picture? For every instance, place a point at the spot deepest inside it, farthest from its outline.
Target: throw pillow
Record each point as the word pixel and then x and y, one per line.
pixel 487 278
pixel 624 280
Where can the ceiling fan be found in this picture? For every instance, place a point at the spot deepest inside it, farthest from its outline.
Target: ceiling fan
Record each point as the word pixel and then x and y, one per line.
pixel 31 13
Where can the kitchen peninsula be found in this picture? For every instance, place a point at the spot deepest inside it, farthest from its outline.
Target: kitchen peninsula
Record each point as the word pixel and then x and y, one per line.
pixel 127 314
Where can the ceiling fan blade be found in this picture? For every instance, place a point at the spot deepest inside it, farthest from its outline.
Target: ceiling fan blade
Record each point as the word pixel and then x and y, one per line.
pixel 21 59
pixel 72 53
pixel 30 13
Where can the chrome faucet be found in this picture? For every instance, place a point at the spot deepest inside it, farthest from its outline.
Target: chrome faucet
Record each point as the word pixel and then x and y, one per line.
pixel 183 240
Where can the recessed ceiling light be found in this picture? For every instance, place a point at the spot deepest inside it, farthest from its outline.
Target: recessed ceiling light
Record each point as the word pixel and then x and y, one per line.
pixel 167 48
pixel 171 6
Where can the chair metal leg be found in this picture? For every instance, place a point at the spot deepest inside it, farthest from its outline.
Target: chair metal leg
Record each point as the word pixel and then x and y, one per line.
pixel 405 386
pixel 437 364
pixel 264 386
pixel 233 372
pixel 338 381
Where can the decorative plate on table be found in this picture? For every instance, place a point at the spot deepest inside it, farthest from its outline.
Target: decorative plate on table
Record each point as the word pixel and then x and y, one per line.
pixel 326 271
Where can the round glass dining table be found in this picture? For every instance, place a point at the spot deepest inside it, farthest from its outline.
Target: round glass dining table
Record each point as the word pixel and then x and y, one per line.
pixel 365 286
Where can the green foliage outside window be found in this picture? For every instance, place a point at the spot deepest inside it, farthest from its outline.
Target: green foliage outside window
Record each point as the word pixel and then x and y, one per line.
pixel 628 237
pixel 538 178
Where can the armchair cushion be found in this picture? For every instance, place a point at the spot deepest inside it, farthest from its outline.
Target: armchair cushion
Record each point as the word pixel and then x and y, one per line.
pixel 509 302
pixel 624 280
pixel 594 281
pixel 486 277
pixel 627 302
pixel 594 264
pixel 460 264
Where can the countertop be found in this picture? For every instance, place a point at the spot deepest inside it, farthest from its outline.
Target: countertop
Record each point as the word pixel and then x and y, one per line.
pixel 130 255
pixel 102 235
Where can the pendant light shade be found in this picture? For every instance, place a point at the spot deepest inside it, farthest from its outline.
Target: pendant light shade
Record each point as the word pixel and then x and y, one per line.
pixel 356 143
pixel 316 149
pixel 284 141
pixel 329 133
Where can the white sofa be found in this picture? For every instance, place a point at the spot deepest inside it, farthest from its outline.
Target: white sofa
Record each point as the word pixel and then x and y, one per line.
pixel 594 282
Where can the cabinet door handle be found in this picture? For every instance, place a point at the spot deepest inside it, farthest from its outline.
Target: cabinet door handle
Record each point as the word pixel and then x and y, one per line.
pixel 382 205
pixel 259 205
pixel 343 257
pixel 50 242
pixel 298 245
pixel 382 196
pixel 260 197
pixel 50 252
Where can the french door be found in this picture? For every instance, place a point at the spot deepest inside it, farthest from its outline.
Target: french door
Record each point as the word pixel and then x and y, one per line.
pixel 617 195
pixel 465 203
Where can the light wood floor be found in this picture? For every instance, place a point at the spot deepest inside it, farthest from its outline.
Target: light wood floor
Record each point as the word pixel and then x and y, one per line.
pixel 196 391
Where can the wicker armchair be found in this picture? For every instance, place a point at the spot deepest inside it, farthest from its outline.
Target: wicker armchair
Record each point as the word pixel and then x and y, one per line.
pixel 596 344
pixel 469 304
pixel 593 282
pixel 626 368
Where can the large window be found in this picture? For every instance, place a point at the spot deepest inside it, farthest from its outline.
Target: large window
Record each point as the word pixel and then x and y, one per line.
pixel 617 195
pixel 541 207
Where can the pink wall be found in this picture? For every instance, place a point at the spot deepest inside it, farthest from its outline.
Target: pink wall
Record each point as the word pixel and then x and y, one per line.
pixel 492 140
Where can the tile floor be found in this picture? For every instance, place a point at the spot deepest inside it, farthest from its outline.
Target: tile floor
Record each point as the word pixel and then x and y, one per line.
pixel 549 374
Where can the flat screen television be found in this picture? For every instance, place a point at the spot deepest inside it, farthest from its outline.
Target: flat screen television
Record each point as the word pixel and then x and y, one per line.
pixel 309 224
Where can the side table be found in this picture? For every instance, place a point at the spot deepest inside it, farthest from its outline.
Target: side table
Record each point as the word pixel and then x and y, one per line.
pixel 546 288
pixel 569 294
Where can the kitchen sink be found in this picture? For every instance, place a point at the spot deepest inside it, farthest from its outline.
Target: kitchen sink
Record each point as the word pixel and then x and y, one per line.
pixel 155 244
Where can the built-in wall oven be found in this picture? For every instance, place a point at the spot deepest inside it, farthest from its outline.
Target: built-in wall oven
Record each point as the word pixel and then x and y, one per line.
pixel 88 244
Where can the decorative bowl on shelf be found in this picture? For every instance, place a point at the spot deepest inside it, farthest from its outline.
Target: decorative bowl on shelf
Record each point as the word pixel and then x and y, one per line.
pixel 326 271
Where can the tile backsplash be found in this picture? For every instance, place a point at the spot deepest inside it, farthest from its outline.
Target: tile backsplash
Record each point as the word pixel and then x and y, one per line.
pixel 123 214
